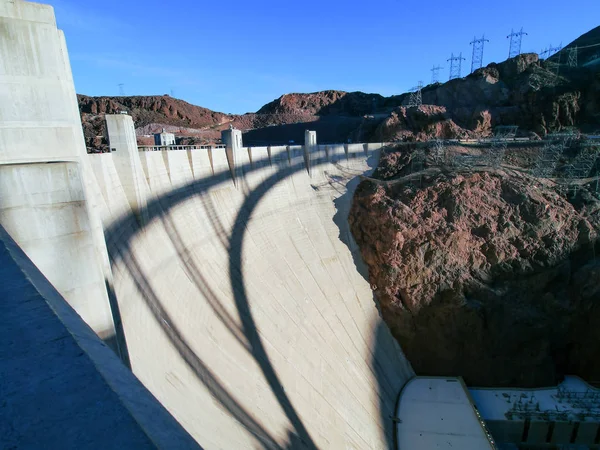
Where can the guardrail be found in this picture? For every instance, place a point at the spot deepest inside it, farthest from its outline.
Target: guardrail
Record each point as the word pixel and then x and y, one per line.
pixel 158 148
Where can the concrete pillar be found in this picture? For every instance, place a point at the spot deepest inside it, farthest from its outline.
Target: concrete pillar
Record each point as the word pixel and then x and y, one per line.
pixel 48 208
pixel 232 139
pixel 310 145
pixel 126 157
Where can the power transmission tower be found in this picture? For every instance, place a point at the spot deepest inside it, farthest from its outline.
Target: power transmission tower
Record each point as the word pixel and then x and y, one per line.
pixel 551 153
pixel 583 165
pixel 415 98
pixel 418 163
pixel 455 65
pixel 438 151
pixel 550 50
pixel 552 66
pixel 515 42
pixel 121 89
pixel 572 57
pixel 435 74
pixel 499 144
pixel 477 58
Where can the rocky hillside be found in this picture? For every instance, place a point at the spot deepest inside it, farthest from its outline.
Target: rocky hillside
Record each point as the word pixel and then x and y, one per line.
pixel 149 109
pixel 538 96
pixel 588 50
pixel 192 124
pixel 150 112
pixel 325 103
pixel 521 91
pixel 487 274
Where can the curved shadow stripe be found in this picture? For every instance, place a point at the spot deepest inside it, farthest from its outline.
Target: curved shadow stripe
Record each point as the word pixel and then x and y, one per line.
pixel 123 230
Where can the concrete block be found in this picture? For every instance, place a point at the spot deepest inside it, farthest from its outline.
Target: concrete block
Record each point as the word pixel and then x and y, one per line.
pixel 537 432
pixel 562 432
pixel 587 433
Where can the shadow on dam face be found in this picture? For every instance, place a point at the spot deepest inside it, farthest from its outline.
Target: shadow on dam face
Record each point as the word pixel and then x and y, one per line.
pixel 388 370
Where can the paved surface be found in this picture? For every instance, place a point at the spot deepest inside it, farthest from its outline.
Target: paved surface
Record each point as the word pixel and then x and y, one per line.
pixel 60 386
pixel 437 413
pixel 244 308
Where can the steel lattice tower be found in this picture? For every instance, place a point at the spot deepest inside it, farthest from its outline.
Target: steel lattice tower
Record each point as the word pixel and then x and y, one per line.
pixel 550 50
pixel 499 144
pixel 121 89
pixel 515 42
pixel 477 58
pixel 455 65
pixel 551 153
pixel 415 98
pixel 572 57
pixel 438 151
pixel 435 74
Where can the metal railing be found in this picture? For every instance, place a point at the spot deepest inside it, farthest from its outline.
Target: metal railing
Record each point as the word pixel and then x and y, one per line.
pixel 160 148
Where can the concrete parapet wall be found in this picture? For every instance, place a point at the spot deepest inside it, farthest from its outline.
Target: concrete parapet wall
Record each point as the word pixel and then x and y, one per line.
pixel 42 206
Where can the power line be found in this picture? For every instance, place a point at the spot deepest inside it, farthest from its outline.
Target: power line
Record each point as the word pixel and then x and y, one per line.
pixel 477 58
pixel 455 65
pixel 435 74
pixel 515 42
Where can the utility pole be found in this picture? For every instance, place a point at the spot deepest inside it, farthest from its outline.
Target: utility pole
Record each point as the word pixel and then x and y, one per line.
pixel 121 89
pixel 415 98
pixel 455 65
pixel 435 74
pixel 515 42
pixel 477 58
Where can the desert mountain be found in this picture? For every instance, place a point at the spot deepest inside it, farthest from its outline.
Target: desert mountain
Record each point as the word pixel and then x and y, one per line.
pixel 539 96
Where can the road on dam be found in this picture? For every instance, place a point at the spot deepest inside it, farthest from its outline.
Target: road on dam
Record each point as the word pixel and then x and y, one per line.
pixel 242 301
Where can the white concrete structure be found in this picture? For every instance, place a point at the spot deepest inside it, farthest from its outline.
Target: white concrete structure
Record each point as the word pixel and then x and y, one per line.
pixel 437 413
pixel 244 304
pixel 163 138
pixel 123 145
pixel 561 415
pixel 243 308
pixel 46 207
pixel 232 138
pixel 310 144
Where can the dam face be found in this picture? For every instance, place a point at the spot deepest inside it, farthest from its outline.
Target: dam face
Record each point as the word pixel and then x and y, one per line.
pixel 241 303
pixel 226 278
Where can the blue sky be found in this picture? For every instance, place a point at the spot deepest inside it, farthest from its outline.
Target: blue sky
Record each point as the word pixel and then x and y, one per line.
pixel 234 56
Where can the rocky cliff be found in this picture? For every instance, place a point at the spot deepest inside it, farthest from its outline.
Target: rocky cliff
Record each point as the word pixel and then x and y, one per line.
pixel 487 275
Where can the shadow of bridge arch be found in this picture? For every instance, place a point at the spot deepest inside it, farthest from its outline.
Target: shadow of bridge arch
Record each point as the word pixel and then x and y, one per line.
pixel 119 236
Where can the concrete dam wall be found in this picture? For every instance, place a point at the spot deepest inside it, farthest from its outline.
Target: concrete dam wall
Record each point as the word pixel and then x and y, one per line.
pixel 239 297
pixel 226 278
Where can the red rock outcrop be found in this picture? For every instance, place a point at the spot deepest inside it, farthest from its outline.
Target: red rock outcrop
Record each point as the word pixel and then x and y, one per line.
pixel 325 103
pixel 484 275
pixel 418 124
